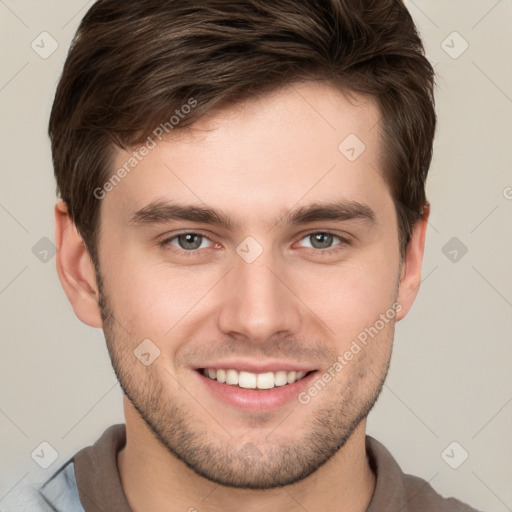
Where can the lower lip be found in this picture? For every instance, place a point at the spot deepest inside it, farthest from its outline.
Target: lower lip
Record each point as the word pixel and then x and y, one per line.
pixel 256 400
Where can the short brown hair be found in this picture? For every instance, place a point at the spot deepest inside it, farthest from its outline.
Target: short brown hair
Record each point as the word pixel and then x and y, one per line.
pixel 132 64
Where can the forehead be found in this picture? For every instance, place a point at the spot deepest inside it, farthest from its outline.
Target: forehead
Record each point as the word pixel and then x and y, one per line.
pixel 303 143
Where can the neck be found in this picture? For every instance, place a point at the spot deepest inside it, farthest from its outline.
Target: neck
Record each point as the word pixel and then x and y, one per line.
pixel 155 481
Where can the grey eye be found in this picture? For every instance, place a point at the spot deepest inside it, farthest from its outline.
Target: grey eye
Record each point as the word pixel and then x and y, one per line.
pixel 321 240
pixel 189 241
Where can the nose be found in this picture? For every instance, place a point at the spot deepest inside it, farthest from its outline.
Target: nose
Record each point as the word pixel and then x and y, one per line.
pixel 258 303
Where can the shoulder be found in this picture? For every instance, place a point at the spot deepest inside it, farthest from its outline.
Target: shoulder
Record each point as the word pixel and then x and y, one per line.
pixel 55 494
pixel 95 469
pixel 422 497
pixel 396 490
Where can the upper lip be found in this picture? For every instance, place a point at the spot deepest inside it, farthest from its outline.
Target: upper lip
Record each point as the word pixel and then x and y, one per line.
pixel 257 366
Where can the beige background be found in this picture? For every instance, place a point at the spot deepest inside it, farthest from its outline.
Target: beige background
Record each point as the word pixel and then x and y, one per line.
pixel 450 378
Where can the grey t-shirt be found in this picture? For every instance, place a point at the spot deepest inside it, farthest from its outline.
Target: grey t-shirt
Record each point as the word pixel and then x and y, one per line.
pixel 90 482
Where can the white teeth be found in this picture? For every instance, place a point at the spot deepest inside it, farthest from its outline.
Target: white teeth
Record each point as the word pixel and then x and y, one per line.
pixel 249 380
pixel 265 380
pixel 280 378
pixel 291 377
pixel 232 377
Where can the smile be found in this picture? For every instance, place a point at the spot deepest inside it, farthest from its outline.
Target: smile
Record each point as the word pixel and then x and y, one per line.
pixel 249 380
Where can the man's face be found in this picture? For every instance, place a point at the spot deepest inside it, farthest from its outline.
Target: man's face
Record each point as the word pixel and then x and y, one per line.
pixel 263 296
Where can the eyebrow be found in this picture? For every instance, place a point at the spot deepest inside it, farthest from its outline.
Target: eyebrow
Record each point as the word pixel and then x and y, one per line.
pixel 161 211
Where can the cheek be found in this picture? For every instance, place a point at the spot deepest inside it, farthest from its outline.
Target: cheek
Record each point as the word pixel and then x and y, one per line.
pixel 351 296
pixel 150 299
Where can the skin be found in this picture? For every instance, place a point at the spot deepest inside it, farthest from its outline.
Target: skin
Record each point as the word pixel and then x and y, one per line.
pixel 186 449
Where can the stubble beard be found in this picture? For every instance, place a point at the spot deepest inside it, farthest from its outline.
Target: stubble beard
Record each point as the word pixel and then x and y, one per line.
pixel 227 461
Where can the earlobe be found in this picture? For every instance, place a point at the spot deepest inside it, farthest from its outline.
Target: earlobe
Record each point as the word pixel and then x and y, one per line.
pixel 410 275
pixel 75 269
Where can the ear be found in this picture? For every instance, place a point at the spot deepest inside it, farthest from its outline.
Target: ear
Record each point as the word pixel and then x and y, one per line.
pixel 410 272
pixel 75 269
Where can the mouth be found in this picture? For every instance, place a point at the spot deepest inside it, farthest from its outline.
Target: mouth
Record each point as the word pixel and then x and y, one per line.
pixel 250 380
pixel 255 391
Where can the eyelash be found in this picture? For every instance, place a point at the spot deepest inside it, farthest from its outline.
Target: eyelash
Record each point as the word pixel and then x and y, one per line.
pixel 196 252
